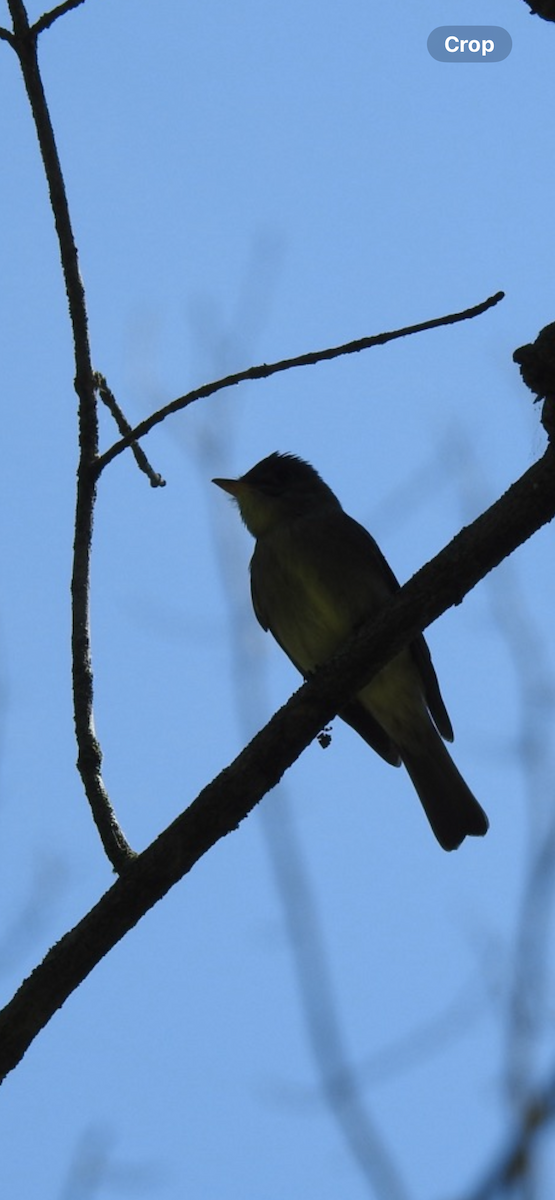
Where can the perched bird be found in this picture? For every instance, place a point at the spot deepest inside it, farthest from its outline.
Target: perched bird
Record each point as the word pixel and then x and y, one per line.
pixel 316 576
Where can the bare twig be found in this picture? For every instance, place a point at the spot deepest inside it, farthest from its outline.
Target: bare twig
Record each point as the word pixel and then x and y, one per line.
pixel 89 753
pixel 224 803
pixel 48 18
pixel 124 427
pixel 264 370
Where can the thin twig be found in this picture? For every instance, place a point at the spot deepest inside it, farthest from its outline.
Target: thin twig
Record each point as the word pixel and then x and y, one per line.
pixel 225 802
pixel 48 18
pixel 89 753
pixel 264 370
pixel 124 427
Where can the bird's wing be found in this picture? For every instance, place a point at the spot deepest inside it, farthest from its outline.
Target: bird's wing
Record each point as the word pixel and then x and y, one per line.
pixel 344 564
pixel 259 608
pixel 419 649
pixel 354 713
pixel 360 719
pixel 434 699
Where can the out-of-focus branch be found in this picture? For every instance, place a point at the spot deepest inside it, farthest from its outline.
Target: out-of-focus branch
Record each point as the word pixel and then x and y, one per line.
pixel 264 370
pixel 340 1083
pixel 518 1165
pixel 529 1007
pixel 89 753
pixel 507 1175
pixel 223 804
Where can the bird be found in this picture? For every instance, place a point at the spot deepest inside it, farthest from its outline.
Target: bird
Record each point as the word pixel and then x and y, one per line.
pixel 316 576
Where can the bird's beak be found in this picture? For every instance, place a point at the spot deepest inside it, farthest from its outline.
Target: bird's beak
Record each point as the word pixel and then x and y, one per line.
pixel 233 486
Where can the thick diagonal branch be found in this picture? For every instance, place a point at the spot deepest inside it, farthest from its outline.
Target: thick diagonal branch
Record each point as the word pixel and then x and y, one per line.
pixel 224 803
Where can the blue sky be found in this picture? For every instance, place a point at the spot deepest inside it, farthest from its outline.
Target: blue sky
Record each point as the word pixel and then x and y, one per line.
pixel 250 182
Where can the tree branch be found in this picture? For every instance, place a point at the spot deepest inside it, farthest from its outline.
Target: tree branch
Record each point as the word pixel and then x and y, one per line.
pixel 48 18
pixel 224 803
pixel 89 753
pixel 124 427
pixel 264 370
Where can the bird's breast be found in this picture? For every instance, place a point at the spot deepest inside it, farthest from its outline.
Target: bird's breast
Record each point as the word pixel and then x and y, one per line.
pixel 295 597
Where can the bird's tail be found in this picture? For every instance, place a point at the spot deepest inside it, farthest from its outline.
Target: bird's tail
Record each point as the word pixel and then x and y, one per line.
pixel 452 810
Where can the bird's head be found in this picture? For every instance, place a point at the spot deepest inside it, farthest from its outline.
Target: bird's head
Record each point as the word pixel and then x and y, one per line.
pixel 279 488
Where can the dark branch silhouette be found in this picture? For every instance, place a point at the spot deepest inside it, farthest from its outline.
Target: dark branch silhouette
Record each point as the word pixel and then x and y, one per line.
pixel 89 752
pixel 60 10
pixel 264 370
pixel 124 427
